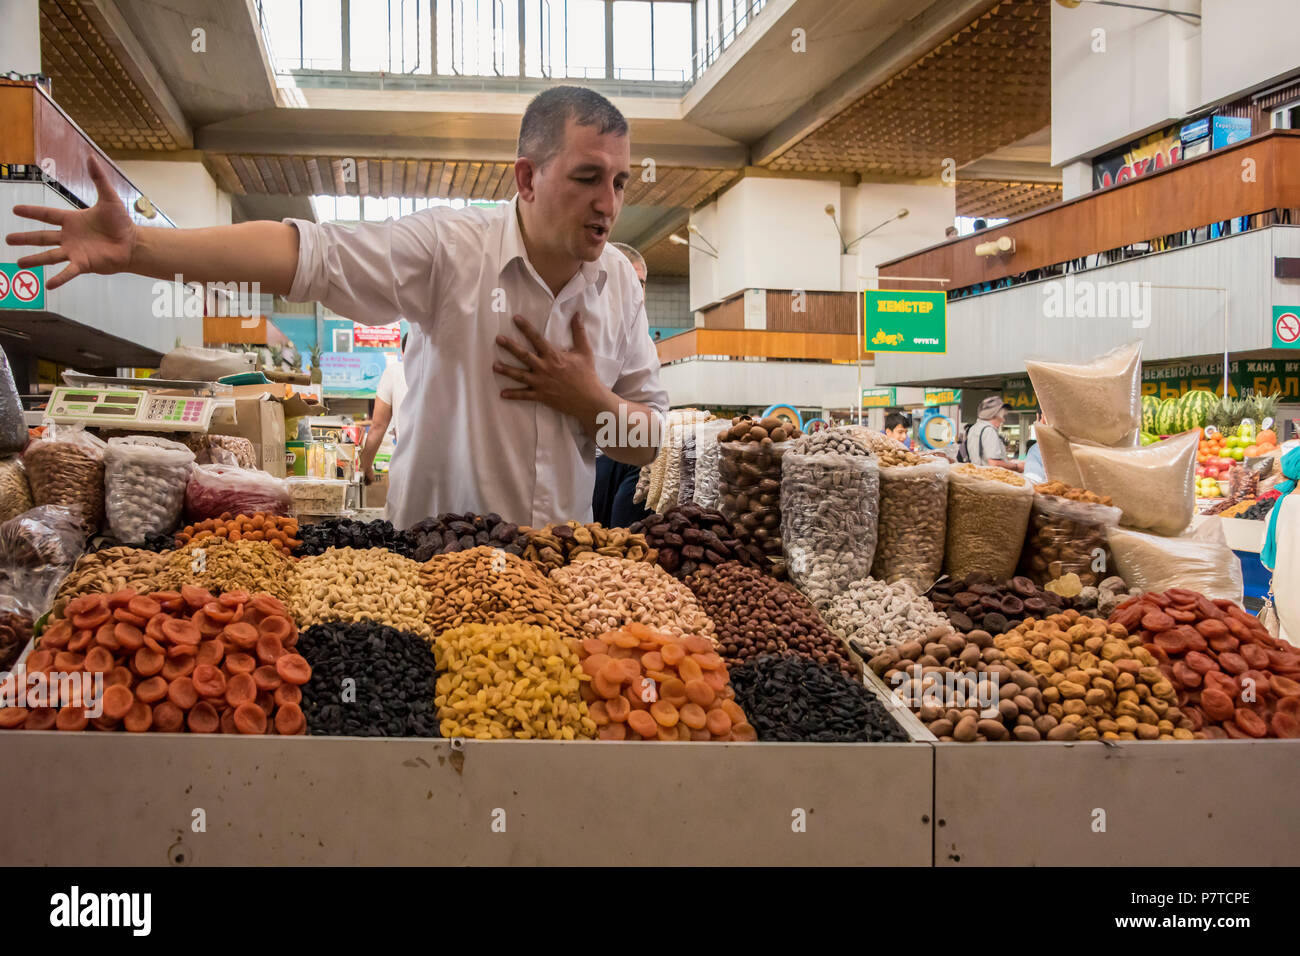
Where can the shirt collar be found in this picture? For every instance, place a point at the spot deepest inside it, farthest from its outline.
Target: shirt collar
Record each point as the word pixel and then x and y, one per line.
pixel 512 248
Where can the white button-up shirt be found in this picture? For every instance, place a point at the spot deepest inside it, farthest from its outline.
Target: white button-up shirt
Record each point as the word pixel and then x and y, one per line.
pixel 459 276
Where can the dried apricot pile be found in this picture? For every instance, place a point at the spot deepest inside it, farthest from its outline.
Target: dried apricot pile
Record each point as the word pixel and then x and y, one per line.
pixel 171 661
pixel 280 531
pixel 644 684
pixel 1233 678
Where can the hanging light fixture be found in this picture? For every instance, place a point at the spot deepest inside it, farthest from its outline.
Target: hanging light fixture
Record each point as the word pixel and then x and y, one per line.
pixel 1181 14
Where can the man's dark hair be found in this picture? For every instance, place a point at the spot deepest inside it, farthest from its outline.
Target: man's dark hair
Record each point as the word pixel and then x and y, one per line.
pixel 894 419
pixel 541 131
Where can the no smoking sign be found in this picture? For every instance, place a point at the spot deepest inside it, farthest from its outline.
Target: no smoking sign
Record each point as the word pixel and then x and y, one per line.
pixel 1286 327
pixel 21 288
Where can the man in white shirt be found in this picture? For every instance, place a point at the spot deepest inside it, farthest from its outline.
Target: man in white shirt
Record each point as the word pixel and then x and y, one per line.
pixel 389 394
pixel 526 295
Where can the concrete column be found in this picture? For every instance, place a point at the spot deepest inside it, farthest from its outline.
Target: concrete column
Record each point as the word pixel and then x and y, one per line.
pixel 1076 179
pixel 20 37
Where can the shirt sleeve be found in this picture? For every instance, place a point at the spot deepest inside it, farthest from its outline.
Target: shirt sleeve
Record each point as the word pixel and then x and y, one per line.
pixel 638 381
pixel 373 272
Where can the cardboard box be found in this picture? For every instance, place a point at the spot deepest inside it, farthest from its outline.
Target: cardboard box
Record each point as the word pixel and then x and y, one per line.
pixel 261 421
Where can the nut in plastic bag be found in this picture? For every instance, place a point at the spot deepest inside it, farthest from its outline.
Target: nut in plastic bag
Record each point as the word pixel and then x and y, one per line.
pixel 913 523
pixel 66 468
pixel 988 511
pixel 1200 561
pixel 1096 401
pixel 37 550
pixel 144 486
pixel 1154 485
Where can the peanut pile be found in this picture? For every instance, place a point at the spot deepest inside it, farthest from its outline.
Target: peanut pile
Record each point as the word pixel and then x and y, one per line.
pixel 222 565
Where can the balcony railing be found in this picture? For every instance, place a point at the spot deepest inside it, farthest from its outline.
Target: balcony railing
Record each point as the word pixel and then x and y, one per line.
pixel 1249 185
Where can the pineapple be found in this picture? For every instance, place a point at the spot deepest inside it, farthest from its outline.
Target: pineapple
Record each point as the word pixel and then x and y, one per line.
pixel 1220 414
pixel 1264 406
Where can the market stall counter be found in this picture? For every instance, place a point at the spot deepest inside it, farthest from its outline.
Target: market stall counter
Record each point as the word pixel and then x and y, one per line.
pixel 218 801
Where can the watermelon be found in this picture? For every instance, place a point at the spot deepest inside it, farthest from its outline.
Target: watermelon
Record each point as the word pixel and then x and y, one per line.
pixel 1150 405
pixel 1167 417
pixel 1194 407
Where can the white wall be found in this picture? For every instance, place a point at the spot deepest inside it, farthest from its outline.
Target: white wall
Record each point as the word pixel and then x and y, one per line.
pixel 1246 44
pixel 1147 75
pixel 20 36
pixel 930 210
pixel 775 234
pixel 993 334
pixel 770 234
pixel 805 384
pixel 183 191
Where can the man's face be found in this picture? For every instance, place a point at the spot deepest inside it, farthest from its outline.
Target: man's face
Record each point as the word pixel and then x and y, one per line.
pixel 898 433
pixel 579 193
pixel 639 269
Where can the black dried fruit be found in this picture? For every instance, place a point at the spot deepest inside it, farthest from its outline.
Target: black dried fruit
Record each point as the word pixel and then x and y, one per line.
pixel 368 680
pixel 995 622
pixel 1012 606
pixel 792 698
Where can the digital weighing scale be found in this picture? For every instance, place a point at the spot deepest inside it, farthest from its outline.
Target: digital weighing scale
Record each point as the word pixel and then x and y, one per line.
pixel 100 406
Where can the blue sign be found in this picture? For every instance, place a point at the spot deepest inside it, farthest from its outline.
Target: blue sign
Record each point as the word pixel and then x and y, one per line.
pixel 1229 130
pixel 1195 132
pixel 351 374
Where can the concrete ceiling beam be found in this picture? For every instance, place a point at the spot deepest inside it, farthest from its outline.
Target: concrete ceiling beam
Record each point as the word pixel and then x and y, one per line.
pixel 919 36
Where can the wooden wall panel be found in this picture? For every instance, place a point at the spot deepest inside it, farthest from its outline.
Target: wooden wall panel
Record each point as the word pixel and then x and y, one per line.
pixel 728 314
pixel 1199 191
pixel 832 312
pixel 807 346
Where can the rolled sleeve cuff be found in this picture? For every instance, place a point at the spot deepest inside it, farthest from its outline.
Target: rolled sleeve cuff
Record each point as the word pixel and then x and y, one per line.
pixel 305 288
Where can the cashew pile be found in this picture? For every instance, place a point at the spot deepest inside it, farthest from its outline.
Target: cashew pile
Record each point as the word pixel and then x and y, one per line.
pixel 606 594
pixel 221 565
pixel 872 615
pixel 360 584
pixel 490 586
pixel 510 681
pixel 109 570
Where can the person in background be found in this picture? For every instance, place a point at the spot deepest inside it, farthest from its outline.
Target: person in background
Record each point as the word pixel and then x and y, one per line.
pixel 897 427
pixel 980 225
pixel 1035 471
pixel 984 446
pixel 611 498
pixel 388 404
pixel 950 232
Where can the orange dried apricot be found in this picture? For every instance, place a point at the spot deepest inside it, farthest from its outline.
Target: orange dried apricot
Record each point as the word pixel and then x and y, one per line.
pixel 664 713
pixel 612 732
pixel 642 723
pixel 673 654
pixel 693 716
pixel 616 709
pixel 718 722
pixel 674 692
pixel 700 692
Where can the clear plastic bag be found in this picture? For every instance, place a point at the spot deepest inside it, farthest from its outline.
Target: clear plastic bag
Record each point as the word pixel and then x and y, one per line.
pixel 144 486
pixel 15 495
pixel 15 630
pixel 913 523
pixel 213 490
pixel 231 450
pixel 1097 401
pixel 750 490
pixel 987 518
pixel 1200 561
pixel 707 451
pixel 37 550
pixel 1058 460
pixel 66 468
pixel 686 466
pixel 829 515
pixel 1068 537
pixel 13 427
pixel 1154 485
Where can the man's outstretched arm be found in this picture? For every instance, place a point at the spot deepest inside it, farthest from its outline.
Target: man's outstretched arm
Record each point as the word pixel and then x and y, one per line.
pixel 104 240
